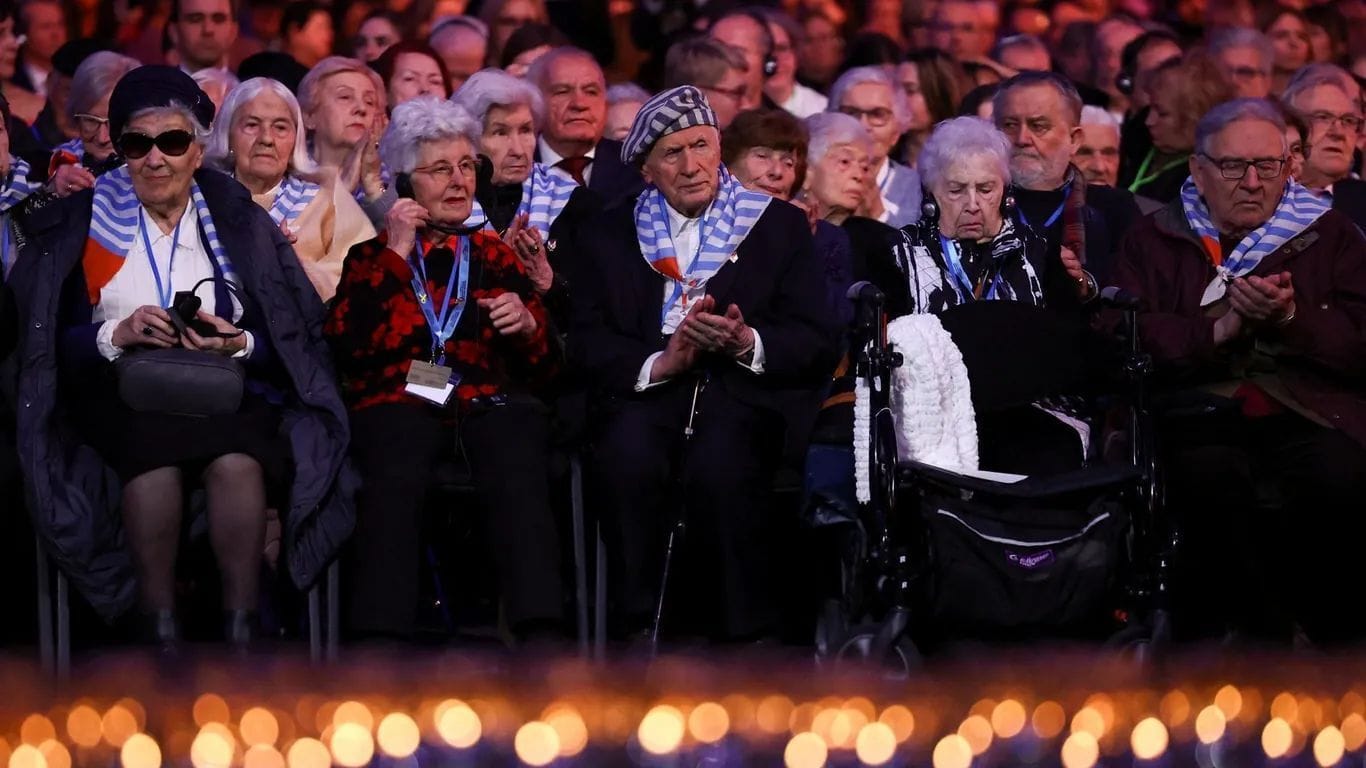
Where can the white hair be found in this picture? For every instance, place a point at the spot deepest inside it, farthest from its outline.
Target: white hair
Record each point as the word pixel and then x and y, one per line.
pixel 218 151
pixel 216 76
pixel 1093 115
pixel 447 23
pixel 489 88
pixel 95 79
pixel 827 130
pixel 419 121
pixel 1314 75
pixel 901 109
pixel 1223 115
pixel 625 93
pixel 959 138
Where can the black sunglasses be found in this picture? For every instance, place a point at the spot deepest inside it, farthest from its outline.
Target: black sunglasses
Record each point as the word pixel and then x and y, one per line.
pixel 173 143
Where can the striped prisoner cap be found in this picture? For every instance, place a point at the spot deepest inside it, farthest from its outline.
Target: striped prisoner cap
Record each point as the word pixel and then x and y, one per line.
pixel 665 112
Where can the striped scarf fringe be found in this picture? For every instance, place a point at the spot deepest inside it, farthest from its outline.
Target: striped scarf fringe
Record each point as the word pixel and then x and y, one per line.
pixel 1298 210
pixel 114 218
pixel 294 196
pixel 18 185
pixel 725 224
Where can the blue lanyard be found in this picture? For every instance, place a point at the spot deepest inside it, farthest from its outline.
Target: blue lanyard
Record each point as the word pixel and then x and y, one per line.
pixel 953 259
pixel 167 292
pixel 1056 211
pixel 442 326
pixel 6 258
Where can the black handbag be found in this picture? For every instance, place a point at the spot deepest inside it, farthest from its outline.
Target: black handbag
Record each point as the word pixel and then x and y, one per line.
pixel 183 382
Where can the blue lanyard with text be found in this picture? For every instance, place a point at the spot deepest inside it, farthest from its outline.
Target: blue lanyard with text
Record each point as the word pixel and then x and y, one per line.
pixel 442 326
pixel 167 292
pixel 953 259
pixel 1056 211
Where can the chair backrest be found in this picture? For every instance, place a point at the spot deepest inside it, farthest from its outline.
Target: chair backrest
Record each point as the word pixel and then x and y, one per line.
pixel 1018 353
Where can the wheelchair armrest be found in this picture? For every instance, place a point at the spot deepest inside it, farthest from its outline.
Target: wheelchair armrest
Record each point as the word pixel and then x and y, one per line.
pixel 1031 487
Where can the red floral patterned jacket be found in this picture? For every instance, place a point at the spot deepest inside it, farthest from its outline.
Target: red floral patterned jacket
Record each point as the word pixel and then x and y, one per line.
pixel 376 328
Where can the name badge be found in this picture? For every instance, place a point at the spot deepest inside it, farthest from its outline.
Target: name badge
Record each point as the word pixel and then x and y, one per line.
pixel 433 383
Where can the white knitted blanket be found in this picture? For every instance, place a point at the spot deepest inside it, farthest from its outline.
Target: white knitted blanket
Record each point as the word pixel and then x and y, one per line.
pixel 931 402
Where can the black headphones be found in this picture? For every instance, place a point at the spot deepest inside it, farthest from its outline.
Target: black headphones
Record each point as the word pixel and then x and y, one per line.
pixel 929 209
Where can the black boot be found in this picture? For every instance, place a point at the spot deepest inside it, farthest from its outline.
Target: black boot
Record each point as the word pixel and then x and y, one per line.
pixel 161 629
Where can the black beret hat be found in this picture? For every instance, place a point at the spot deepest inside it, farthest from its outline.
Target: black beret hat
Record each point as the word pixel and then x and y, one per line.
pixel 277 66
pixel 156 85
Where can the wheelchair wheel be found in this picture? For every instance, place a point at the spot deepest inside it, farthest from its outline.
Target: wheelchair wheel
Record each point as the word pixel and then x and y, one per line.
pixel 857 651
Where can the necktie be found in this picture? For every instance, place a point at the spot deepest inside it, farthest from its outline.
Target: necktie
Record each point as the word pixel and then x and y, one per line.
pixel 574 166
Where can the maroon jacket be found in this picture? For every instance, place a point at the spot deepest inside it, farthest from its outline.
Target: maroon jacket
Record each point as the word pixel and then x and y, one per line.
pixel 1323 363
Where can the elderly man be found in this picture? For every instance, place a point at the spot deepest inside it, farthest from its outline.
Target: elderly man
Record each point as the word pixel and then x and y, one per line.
pixel 1246 56
pixel 871 96
pixel 702 303
pixel 747 31
pixel 965 29
pixel 1098 155
pixel 1040 112
pixel 462 43
pixel 1252 291
pixel 718 69
pixel 202 33
pixel 571 141
pixel 1333 113
pixel 1023 53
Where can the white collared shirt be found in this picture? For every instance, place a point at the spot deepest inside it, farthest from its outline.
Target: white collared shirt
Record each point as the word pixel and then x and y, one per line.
pixel 551 159
pixel 37 76
pixel 687 239
pixel 135 285
pixel 805 102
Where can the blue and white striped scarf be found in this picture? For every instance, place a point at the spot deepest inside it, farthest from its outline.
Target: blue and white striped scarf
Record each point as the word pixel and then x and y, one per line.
pixel 544 196
pixel 293 197
pixel 74 146
pixel 17 187
pixel 725 224
pixel 114 219
pixel 1299 208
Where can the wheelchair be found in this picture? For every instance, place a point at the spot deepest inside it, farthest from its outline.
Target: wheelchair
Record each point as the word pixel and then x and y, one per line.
pixel 936 557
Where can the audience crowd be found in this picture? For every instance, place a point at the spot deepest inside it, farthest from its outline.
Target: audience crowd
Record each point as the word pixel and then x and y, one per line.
pixel 273 273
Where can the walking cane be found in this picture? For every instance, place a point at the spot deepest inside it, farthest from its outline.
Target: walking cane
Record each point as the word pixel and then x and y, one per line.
pixel 680 525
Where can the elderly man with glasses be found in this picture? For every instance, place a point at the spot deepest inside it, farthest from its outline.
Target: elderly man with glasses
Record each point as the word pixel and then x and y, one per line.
pixel 1253 298
pixel 1330 106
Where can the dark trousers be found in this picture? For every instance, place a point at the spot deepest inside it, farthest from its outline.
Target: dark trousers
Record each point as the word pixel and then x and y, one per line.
pixel 1271 510
pixel 644 475
pixel 395 447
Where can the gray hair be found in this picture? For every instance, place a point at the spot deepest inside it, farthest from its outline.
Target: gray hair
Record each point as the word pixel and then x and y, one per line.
pixel 95 79
pixel 828 130
pixel 959 138
pixel 218 151
pixel 421 120
pixel 1024 40
pixel 1071 99
pixel 216 76
pixel 1093 115
pixel 901 109
pixel 201 134
pixel 1229 38
pixel 1314 75
pixel 540 68
pixel 312 82
pixel 624 93
pixel 489 88
pixel 1230 112
pixel 447 23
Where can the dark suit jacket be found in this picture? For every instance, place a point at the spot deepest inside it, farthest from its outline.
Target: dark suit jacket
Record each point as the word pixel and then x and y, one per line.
pixel 776 281
pixel 1349 197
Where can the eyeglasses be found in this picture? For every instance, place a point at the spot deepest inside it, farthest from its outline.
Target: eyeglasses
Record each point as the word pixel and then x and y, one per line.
pixel 90 124
pixel 1328 119
pixel 1235 168
pixel 736 94
pixel 1247 73
pixel 442 172
pixel 135 146
pixel 876 117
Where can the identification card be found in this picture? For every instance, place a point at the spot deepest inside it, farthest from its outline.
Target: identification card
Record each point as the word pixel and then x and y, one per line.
pixel 432 383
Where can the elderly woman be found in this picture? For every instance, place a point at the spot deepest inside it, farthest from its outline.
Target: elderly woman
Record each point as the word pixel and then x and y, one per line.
pixel 342 101
pixel 623 102
pixel 533 210
pixel 871 96
pixel 440 338
pixel 162 237
pixel 88 108
pixel 411 69
pixel 257 138
pixel 1180 91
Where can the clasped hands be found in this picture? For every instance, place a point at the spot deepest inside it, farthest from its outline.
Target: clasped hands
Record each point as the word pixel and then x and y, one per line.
pixel 704 331
pixel 1256 301
pixel 150 326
